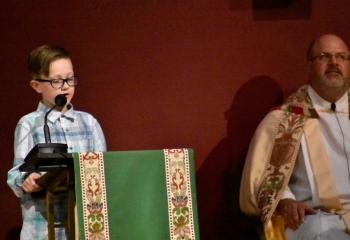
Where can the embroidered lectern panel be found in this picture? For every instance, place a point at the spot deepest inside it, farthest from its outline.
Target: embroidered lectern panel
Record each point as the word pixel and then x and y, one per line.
pixel 133 195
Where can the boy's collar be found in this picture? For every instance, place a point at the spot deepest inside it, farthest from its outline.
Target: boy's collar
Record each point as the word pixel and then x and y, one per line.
pixel 54 115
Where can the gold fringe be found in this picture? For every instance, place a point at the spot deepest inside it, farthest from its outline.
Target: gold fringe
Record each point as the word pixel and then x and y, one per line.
pixel 274 229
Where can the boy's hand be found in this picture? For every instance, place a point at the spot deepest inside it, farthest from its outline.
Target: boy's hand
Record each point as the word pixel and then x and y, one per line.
pixel 293 212
pixel 29 185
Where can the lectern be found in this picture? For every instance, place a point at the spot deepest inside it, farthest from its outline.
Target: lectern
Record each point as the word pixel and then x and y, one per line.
pixel 133 195
pixel 53 159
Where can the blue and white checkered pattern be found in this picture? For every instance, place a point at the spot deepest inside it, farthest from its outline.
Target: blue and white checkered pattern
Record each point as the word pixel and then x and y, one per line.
pixel 79 130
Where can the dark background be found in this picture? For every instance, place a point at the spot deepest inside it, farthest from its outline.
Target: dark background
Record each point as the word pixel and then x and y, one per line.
pixel 167 74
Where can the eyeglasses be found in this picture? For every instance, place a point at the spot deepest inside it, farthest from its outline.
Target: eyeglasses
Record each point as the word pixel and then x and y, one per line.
pixel 59 82
pixel 326 57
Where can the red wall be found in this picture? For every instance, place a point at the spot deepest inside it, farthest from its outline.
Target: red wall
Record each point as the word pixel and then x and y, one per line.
pixel 167 74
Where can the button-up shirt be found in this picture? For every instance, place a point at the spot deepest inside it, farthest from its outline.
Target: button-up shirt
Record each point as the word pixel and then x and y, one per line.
pixel 80 131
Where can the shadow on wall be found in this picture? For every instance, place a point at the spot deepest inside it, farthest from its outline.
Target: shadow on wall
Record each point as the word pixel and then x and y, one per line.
pixel 218 179
pixel 13 233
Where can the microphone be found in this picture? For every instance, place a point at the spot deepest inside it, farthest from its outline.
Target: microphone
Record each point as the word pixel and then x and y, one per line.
pixel 333 107
pixel 60 101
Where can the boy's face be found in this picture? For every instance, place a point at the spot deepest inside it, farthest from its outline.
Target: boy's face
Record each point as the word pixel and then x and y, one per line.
pixel 59 69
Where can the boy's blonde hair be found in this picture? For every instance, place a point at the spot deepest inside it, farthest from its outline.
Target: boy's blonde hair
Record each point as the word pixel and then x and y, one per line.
pixel 40 58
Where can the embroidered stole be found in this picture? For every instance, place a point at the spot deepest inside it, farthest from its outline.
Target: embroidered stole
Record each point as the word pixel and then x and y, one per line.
pixel 299 117
pixel 278 170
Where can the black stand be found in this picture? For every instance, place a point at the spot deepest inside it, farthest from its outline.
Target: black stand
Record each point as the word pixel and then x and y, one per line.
pixel 45 157
pixel 54 159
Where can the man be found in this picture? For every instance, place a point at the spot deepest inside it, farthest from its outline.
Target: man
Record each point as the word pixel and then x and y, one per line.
pixel 297 166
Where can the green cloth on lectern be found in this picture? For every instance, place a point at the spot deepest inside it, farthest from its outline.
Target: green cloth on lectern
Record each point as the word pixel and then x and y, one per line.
pixel 136 198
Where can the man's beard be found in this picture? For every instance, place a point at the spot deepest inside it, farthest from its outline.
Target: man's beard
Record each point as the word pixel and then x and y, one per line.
pixel 334 81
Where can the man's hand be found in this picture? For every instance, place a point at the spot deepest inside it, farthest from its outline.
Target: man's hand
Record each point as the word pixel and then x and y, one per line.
pixel 30 185
pixel 293 212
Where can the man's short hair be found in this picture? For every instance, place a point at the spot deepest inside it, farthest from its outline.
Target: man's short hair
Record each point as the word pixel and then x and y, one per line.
pixel 40 58
pixel 309 50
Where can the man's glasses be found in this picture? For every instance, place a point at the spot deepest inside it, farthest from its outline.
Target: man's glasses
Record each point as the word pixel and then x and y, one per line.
pixel 59 82
pixel 326 57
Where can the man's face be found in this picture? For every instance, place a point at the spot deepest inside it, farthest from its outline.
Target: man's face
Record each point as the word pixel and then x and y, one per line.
pixel 329 64
pixel 59 69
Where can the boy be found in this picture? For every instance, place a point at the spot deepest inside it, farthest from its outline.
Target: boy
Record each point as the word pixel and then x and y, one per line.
pixel 52 73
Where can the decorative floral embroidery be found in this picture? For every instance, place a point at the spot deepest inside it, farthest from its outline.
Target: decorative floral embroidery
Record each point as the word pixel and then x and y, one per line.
pixel 179 194
pixel 94 196
pixel 300 103
pixel 297 109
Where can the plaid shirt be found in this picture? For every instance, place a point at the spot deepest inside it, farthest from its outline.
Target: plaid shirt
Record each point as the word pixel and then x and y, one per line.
pixel 80 131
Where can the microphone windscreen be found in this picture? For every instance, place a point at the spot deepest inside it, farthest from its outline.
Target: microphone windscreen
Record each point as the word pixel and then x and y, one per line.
pixel 60 100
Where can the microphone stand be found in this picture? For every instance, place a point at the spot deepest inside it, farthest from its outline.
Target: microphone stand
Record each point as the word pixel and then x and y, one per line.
pixel 54 159
pixel 48 156
pixel 46 127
